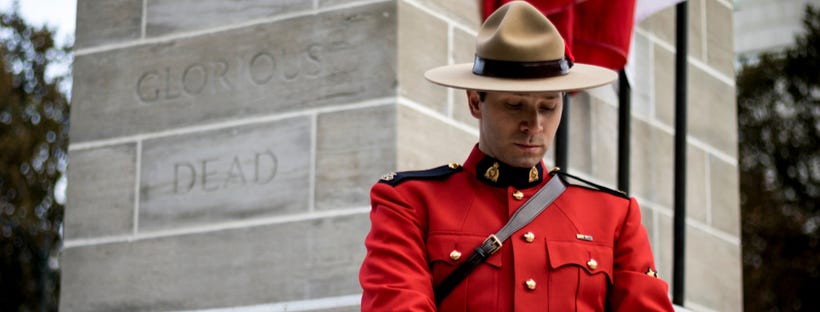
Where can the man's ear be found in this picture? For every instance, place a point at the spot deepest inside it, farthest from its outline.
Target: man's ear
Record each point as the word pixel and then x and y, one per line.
pixel 473 100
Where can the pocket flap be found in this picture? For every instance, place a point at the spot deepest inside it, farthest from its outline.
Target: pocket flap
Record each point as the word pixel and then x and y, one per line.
pixel 591 257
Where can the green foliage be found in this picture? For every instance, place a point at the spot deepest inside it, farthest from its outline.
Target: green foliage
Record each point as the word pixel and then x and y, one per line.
pixel 778 102
pixel 33 142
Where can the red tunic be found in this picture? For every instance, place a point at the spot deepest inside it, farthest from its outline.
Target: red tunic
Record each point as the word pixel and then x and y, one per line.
pixel 586 252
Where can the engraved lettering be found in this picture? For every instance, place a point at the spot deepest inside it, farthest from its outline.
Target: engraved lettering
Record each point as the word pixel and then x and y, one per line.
pixel 168 93
pixel 265 164
pixel 221 71
pixel 147 90
pixel 217 173
pixel 314 67
pixel 262 68
pixel 187 181
pixel 235 173
pixel 206 174
pixel 291 68
pixel 194 79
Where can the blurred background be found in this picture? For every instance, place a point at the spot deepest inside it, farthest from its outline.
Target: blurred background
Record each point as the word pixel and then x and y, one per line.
pixel 35 82
pixel 777 48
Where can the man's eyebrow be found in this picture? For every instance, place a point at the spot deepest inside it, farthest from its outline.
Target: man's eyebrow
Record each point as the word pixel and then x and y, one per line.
pixel 557 93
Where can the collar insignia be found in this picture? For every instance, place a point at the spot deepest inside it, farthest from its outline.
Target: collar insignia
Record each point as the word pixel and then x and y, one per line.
pixel 492 173
pixel 533 175
pixel 500 174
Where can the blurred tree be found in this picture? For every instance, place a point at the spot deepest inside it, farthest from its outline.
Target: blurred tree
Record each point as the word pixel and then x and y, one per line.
pixel 778 101
pixel 33 142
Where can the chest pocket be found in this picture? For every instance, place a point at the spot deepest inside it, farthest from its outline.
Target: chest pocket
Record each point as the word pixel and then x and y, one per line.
pixel 445 253
pixel 580 272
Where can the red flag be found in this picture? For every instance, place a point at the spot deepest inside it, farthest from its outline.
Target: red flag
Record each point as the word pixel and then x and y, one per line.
pixel 596 31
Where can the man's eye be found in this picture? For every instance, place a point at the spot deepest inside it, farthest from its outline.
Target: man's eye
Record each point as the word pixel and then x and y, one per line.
pixel 514 105
pixel 553 97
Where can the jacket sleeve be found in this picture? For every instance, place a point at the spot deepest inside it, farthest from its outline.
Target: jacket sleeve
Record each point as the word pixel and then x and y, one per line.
pixel 395 275
pixel 635 288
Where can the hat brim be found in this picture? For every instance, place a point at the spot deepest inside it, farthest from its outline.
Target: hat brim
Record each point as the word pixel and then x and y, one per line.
pixel 580 76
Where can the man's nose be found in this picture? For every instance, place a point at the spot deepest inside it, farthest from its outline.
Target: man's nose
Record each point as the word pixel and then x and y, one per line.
pixel 532 122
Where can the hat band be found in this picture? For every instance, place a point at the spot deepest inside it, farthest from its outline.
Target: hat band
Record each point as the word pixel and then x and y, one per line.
pixel 512 69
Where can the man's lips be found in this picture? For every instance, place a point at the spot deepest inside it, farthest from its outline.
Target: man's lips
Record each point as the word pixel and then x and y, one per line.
pixel 527 147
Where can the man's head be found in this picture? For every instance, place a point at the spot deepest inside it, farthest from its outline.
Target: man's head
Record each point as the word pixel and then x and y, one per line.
pixel 520 59
pixel 516 128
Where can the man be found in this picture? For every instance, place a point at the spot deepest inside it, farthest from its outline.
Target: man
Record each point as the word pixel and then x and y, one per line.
pixel 583 249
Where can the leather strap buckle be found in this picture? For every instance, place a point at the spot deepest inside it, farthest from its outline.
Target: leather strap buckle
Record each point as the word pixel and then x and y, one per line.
pixel 491 242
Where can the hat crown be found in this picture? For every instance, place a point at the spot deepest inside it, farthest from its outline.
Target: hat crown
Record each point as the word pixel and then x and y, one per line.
pixel 519 50
pixel 518 32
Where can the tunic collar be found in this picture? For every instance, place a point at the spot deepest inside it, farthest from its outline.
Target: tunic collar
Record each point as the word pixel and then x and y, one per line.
pixel 496 173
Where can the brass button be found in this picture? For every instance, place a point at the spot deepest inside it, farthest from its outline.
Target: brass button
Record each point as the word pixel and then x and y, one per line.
pixel 592 264
pixel 453 165
pixel 529 237
pixel 518 195
pixel 530 283
pixel 455 255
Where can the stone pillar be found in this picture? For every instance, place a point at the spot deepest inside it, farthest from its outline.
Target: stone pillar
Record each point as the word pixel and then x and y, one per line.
pixel 222 152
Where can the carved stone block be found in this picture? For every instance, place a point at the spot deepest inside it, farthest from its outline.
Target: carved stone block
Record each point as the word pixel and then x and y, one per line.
pixel 222 175
pixel 321 60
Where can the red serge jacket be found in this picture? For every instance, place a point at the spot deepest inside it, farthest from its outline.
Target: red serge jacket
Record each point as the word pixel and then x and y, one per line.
pixel 586 252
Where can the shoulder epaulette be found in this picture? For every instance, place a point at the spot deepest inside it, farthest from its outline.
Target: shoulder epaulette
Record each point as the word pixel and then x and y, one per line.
pixel 573 180
pixel 394 178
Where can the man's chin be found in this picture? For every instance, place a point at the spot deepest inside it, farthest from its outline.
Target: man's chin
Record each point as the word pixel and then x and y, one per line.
pixel 525 162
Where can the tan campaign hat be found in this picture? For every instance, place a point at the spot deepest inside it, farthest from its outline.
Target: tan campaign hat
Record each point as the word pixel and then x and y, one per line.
pixel 519 50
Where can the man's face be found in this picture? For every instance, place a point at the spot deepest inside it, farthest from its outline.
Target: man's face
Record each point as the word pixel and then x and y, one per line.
pixel 516 128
